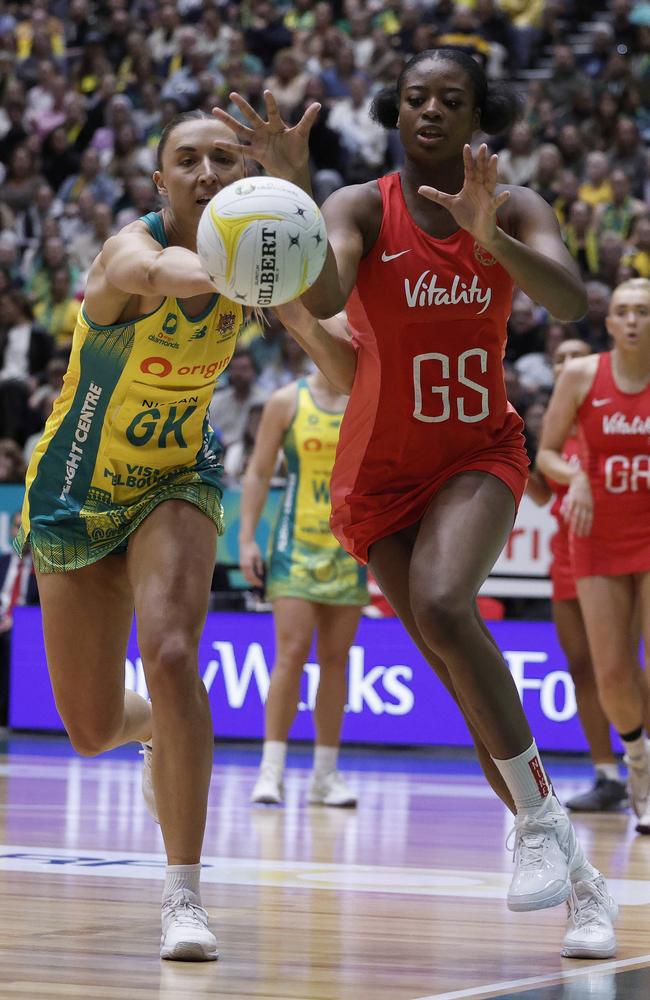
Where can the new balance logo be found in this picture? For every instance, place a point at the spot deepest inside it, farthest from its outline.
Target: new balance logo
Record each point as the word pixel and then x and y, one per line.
pixel 391 256
pixel 600 402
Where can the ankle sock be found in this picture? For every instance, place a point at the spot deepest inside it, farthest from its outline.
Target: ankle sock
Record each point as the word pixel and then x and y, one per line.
pixel 526 778
pixel 182 877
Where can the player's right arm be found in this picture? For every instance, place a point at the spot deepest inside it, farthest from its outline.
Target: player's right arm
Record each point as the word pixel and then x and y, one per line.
pixel 569 393
pixel 344 214
pixel 276 418
pixel 132 264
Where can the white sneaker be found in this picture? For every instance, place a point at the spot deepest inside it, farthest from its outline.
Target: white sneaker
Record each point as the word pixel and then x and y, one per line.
pixel 592 912
pixel 147 782
pixel 330 790
pixel 546 851
pixel 186 936
pixel 269 787
pixel 638 781
pixel 643 823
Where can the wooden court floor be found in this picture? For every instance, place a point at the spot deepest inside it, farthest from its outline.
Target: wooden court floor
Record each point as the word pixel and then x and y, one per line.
pixel 401 899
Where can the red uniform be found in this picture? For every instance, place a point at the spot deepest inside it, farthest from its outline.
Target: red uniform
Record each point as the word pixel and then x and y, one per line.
pixel 614 441
pixel 428 318
pixel 562 577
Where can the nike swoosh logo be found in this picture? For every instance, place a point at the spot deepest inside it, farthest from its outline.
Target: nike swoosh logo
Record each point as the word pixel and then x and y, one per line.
pixel 391 256
pixel 600 402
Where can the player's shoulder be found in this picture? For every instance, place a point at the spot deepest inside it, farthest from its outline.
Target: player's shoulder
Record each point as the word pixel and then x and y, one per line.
pixel 522 203
pixel 578 375
pixel 281 404
pixel 354 201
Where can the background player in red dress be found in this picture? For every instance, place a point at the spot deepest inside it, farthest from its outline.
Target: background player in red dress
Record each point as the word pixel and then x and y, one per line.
pixel 608 509
pixel 608 790
pixel 431 464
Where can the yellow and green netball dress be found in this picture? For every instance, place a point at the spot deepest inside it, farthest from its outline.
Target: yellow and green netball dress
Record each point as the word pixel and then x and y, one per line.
pixel 306 559
pixel 129 430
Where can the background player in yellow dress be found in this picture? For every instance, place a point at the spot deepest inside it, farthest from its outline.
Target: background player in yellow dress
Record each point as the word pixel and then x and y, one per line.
pixel 313 584
pixel 123 505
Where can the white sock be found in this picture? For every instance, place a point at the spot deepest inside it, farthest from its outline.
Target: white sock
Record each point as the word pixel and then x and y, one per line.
pixel 182 877
pixel 608 771
pixel 526 778
pixel 325 759
pixel 635 749
pixel 274 752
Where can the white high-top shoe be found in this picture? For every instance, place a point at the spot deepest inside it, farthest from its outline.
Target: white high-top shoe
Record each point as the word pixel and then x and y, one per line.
pixel 186 936
pixel 546 851
pixel 592 912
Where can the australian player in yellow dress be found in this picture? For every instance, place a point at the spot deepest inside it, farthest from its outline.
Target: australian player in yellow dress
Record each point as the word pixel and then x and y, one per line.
pixel 123 502
pixel 315 587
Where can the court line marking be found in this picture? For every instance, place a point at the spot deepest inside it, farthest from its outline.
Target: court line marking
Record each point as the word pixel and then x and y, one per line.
pixel 551 979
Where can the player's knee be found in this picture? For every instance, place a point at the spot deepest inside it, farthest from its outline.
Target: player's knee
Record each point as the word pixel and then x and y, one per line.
pixel 581 671
pixel 611 677
pixel 170 662
pixel 92 738
pixel 441 617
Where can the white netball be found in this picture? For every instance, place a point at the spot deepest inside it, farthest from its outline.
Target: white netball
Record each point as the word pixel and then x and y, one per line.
pixel 262 241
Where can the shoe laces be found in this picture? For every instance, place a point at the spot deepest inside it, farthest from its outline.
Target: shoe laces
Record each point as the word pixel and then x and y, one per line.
pixel 183 909
pixel 528 838
pixel 589 909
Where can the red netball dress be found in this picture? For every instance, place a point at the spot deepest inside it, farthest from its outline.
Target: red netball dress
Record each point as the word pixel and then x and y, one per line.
pixel 614 441
pixel 562 578
pixel 428 319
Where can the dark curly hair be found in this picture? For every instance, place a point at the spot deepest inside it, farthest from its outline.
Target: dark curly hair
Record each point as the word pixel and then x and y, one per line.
pixel 498 104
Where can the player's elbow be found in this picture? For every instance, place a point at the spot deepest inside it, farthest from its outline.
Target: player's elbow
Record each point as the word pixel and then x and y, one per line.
pixel 573 306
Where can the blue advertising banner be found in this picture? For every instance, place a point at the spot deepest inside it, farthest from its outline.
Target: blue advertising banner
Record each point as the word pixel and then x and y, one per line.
pixel 393 695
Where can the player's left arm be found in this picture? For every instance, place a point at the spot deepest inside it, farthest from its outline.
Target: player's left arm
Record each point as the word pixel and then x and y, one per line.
pixel 532 251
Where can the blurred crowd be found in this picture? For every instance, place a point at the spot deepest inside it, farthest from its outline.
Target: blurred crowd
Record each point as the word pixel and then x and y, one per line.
pixel 88 85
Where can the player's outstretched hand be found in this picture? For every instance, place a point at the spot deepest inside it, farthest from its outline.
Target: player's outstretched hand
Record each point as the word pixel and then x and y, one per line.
pixel 578 506
pixel 476 205
pixel 281 149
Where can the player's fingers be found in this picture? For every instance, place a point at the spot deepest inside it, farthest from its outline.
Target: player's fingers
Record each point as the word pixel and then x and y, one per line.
pixel 249 112
pixel 492 171
pixel 481 163
pixel 237 127
pixel 440 197
pixel 272 110
pixel 501 199
pixel 306 123
pixel 468 163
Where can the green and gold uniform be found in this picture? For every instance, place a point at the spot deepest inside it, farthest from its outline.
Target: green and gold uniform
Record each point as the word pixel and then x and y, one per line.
pixel 129 430
pixel 306 560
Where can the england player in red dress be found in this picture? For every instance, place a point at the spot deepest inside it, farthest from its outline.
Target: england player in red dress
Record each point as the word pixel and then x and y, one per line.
pixel 608 790
pixel 608 509
pixel 431 463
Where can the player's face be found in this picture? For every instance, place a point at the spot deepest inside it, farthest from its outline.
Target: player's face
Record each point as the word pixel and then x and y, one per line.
pixel 195 167
pixel 628 320
pixel 436 111
pixel 568 350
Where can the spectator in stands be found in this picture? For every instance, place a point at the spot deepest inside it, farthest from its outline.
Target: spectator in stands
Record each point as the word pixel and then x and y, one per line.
pixel 571 146
pixel 21 181
pixel 25 349
pixel 163 41
pixel 52 255
pixel 596 189
pixel 620 212
pixel 12 462
pixel 601 42
pixel 12 120
pixel 638 253
pixel 287 81
pixel 628 153
pixel 58 311
pixel 546 179
pixel 363 140
pixel 526 327
pixel 535 369
pixel 565 77
pixel 230 406
pixel 293 364
pixel 611 247
pixel 238 453
pixel 518 161
pixel 91 176
pixel 581 237
pixel 533 419
pixel 42 400
pixel 591 328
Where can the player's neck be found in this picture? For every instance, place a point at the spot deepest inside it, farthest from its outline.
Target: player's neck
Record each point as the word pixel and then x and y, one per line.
pixel 631 369
pixel 447 177
pixel 178 235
